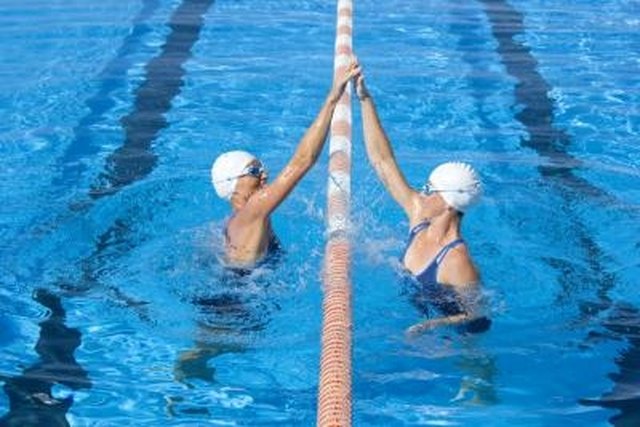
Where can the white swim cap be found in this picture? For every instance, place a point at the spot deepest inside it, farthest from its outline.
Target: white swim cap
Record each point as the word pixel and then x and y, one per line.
pixel 457 183
pixel 226 170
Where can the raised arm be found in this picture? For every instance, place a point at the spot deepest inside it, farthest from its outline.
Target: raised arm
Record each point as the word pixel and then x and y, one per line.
pixel 307 152
pixel 380 152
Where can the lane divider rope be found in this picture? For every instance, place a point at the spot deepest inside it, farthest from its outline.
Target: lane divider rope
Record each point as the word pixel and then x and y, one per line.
pixel 334 392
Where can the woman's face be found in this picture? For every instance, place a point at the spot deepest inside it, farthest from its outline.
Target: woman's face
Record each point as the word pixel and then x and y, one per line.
pixel 431 200
pixel 253 178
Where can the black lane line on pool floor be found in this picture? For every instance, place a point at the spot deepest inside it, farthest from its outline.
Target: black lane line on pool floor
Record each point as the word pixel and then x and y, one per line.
pixel 73 163
pixel 31 401
pixel 531 93
pixel 112 78
pixel 536 108
pixel 131 162
pixel 536 115
pixel 135 159
pixel 622 323
pixel 118 240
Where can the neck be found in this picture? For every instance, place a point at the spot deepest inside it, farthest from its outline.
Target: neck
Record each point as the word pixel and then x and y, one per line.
pixel 445 226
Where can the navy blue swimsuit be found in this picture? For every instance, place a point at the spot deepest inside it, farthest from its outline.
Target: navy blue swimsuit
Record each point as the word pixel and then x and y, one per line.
pixel 428 292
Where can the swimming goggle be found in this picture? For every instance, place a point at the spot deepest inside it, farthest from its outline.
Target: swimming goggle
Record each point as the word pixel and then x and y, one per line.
pixel 427 190
pixel 254 170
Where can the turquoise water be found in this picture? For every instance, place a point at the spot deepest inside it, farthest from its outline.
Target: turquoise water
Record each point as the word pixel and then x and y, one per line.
pixel 114 309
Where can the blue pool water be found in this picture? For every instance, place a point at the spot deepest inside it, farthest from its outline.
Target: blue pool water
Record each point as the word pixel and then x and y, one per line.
pixel 115 311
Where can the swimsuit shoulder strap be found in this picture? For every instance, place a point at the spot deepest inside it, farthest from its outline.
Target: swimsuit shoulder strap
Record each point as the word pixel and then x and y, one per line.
pixel 445 250
pixel 424 224
pixel 430 273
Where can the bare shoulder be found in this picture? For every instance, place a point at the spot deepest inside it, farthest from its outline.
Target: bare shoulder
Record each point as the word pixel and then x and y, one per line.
pixel 258 206
pixel 244 220
pixel 265 201
pixel 457 268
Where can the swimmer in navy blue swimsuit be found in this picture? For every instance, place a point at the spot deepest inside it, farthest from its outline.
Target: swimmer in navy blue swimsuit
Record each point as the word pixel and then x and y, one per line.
pixel 443 275
pixel 240 178
pixel 426 292
pixel 427 289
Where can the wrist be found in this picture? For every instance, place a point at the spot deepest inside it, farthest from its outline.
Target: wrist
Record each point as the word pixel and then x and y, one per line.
pixel 364 97
pixel 334 96
pixel 363 93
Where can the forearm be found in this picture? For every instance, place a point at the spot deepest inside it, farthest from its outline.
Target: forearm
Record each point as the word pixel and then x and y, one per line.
pixel 381 155
pixel 313 140
pixel 429 324
pixel 377 143
pixel 303 159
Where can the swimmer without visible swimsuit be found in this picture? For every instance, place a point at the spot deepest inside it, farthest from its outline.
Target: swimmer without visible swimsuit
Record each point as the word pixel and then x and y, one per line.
pixel 273 252
pixel 440 295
